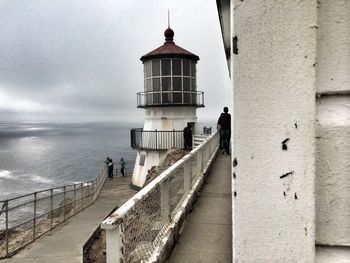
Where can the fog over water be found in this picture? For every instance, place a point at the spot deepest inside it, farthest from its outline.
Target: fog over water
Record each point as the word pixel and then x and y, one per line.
pixel 37 156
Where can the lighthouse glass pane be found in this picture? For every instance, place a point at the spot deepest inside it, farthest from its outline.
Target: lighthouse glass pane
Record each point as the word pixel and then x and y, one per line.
pixel 186 83
pixel 187 97
pixel 166 84
pixel 177 84
pixel 156 67
pixel 156 84
pixel 176 67
pixel 193 84
pixel 165 67
pixel 156 98
pixel 186 68
pixel 148 86
pixel 177 97
pixel 148 99
pixel 194 98
pixel 148 71
pixel 193 69
pixel 166 97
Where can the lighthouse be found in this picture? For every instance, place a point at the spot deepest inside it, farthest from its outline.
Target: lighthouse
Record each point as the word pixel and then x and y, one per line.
pixel 170 100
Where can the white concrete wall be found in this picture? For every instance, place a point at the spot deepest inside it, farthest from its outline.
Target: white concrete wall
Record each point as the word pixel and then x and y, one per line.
pixel 333 124
pixel 169 118
pixel 274 100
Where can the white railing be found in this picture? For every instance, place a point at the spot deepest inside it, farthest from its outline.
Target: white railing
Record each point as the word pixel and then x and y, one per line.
pixel 136 229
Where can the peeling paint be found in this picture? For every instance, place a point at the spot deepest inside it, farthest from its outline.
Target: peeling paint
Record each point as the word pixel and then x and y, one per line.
pixel 286 174
pixel 284 144
pixel 235 45
pixel 235 162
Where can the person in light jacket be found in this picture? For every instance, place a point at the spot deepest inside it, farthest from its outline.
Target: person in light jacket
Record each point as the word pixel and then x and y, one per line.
pixel 122 166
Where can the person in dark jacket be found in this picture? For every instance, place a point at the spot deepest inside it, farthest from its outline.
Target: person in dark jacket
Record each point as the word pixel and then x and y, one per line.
pixel 110 169
pixel 188 137
pixel 224 124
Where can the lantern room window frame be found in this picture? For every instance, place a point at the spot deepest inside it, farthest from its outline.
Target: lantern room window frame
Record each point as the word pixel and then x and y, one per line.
pixel 159 84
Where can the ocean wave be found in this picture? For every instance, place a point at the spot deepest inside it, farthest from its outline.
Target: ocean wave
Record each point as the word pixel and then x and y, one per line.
pixel 39 179
pixel 5 174
pixel 9 175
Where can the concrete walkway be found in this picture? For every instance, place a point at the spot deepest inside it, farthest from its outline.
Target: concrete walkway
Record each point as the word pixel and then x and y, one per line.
pixel 65 242
pixel 207 234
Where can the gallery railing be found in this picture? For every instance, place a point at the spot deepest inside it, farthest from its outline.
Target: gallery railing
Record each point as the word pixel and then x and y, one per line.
pixel 25 218
pixel 136 230
pixel 156 140
pixel 170 99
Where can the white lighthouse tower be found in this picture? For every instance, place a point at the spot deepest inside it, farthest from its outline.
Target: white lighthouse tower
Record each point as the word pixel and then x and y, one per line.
pixel 170 100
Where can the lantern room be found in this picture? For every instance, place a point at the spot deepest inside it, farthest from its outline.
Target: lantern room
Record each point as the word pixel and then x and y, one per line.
pixel 170 77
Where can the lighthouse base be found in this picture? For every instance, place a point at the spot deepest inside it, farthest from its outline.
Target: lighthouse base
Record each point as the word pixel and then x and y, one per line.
pixel 145 160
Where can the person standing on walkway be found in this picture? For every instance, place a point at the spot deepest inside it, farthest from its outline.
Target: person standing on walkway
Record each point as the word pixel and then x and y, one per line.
pixel 225 130
pixel 187 137
pixel 110 169
pixel 122 166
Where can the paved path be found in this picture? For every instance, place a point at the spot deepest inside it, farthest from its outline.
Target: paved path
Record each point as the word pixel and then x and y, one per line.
pixel 207 234
pixel 65 242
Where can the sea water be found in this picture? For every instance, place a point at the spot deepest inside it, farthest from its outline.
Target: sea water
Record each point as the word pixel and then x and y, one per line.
pixel 36 156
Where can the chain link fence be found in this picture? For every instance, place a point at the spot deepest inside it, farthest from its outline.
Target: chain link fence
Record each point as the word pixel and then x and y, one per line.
pixel 137 228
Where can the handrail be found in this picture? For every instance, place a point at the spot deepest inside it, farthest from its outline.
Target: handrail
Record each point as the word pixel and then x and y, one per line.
pixel 156 140
pixel 135 230
pixel 25 218
pixel 170 98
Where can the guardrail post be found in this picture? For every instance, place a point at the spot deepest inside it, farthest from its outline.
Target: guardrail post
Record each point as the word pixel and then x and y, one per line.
pixel 165 200
pixel 156 140
pixel 75 198
pixel 113 245
pixel 7 226
pixel 51 208
pixel 187 175
pixel 81 196
pixel 173 138
pixel 141 140
pixel 199 161
pixel 64 203
pixel 34 218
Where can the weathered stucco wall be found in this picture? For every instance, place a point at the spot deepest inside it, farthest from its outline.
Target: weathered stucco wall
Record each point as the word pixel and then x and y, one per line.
pixel 274 50
pixel 333 123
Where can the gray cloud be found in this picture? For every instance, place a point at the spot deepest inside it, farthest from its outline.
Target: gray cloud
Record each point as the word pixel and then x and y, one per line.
pixel 77 60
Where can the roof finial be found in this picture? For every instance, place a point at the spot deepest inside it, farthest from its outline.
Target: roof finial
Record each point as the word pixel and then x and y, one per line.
pixel 168 18
pixel 169 33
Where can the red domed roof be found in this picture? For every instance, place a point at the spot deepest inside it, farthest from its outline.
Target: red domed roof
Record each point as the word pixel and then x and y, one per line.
pixel 169 49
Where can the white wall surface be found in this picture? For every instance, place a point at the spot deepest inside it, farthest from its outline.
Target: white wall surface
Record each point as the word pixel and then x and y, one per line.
pixel 274 99
pixel 169 118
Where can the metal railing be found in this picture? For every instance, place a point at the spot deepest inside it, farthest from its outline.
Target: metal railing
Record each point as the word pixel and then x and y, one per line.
pixel 156 140
pixel 136 229
pixel 25 218
pixel 170 98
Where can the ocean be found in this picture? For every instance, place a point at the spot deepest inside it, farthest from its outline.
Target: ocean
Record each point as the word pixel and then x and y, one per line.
pixel 37 156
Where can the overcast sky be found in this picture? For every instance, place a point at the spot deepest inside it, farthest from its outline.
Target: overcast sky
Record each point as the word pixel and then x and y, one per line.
pixel 79 60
